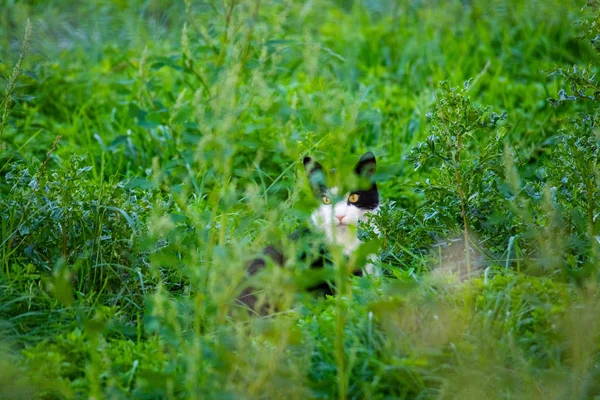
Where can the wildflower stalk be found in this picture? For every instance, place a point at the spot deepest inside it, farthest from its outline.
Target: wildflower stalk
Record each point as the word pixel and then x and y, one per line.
pixel 12 80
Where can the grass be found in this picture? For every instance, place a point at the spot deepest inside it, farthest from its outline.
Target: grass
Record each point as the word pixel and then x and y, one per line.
pixel 148 150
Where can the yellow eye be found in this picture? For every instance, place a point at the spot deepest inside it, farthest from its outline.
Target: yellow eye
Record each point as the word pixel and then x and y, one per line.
pixel 326 200
pixel 353 198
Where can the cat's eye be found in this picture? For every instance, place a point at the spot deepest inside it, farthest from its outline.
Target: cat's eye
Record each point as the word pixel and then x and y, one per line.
pixel 326 200
pixel 353 198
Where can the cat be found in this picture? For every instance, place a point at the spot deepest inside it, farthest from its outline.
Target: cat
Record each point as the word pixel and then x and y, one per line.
pixel 339 219
pixel 336 218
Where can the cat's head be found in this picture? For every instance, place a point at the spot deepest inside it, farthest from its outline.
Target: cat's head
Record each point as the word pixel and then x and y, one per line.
pixel 340 209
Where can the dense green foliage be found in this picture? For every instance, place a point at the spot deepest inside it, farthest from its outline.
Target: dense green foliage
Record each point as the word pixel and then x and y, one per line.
pixel 149 149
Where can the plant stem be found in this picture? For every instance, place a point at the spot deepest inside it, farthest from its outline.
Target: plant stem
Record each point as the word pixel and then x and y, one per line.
pixel 226 34
pixel 463 201
pixel 12 80
pixel 590 206
pixel 340 323
pixel 249 37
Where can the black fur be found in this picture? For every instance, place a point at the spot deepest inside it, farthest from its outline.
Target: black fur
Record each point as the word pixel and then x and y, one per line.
pixel 316 260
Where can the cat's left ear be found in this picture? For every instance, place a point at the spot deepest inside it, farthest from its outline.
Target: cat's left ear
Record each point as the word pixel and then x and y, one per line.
pixel 366 166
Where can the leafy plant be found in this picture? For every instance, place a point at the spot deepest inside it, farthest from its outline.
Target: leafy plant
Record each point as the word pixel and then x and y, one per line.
pixel 573 164
pixel 63 227
pixel 464 155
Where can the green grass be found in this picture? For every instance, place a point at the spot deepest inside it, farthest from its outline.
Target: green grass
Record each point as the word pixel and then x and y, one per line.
pixel 149 149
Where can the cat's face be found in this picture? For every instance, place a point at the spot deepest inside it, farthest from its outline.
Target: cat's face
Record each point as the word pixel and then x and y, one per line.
pixel 339 210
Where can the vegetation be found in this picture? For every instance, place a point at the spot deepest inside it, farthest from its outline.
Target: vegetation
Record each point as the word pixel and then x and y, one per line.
pixel 150 149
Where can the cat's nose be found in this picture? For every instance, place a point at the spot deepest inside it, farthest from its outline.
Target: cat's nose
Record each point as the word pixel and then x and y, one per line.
pixel 340 217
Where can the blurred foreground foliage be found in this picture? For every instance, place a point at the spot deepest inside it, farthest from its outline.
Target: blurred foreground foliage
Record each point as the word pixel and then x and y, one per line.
pixel 148 150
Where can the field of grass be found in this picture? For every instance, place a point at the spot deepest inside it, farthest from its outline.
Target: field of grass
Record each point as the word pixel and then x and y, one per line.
pixel 150 148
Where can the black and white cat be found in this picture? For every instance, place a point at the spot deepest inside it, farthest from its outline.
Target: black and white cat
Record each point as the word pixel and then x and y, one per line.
pixel 337 217
pixel 339 213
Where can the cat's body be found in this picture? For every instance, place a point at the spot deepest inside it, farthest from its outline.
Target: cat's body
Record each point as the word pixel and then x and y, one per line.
pixel 336 219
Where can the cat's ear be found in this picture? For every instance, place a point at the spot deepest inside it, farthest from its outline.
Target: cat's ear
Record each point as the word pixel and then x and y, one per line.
pixel 366 166
pixel 311 166
pixel 315 174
